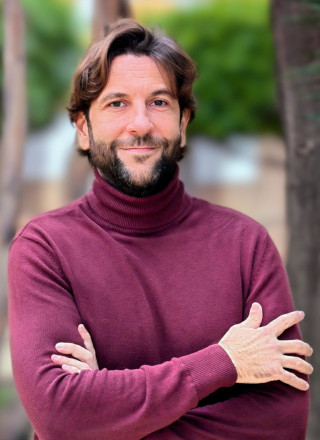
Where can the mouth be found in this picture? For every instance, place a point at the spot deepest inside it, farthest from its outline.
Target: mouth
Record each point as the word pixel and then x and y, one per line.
pixel 140 150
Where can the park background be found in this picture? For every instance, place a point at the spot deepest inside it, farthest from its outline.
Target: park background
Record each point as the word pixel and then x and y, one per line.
pixel 240 144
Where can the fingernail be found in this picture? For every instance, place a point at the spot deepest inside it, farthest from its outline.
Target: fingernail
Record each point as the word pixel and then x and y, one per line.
pixel 301 314
pixel 255 307
pixel 55 356
pixel 60 345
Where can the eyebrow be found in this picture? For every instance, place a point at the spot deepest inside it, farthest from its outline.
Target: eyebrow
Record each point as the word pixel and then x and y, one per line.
pixel 163 92
pixel 112 96
pixel 109 96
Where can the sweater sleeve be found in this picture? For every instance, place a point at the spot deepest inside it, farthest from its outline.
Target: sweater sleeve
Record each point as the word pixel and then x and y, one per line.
pixel 113 404
pixel 265 411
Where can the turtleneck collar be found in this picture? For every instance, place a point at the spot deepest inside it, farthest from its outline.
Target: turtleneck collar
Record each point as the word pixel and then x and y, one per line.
pixel 110 207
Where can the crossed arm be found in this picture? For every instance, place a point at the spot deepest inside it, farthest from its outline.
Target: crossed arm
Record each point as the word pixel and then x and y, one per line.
pixel 257 353
pixel 259 356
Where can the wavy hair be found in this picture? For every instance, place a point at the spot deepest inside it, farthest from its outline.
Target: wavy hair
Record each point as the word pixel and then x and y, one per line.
pixel 126 36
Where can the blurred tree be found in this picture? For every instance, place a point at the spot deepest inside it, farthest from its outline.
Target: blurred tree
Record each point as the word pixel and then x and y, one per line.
pixel 296 25
pixel 49 47
pixel 105 12
pixel 52 51
pixel 14 132
pixel 231 42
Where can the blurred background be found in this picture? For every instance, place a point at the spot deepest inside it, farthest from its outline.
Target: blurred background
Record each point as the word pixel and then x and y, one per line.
pixel 253 145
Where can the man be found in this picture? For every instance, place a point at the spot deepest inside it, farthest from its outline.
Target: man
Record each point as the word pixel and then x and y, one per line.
pixel 170 288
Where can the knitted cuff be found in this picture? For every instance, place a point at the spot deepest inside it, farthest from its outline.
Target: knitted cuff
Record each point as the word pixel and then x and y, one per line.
pixel 210 368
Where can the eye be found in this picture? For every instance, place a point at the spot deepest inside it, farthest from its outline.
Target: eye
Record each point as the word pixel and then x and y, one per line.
pixel 116 104
pixel 159 103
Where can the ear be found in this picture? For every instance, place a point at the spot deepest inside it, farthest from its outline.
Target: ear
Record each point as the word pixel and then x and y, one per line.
pixel 82 131
pixel 183 126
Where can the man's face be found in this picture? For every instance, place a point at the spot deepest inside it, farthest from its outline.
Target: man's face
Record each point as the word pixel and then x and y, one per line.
pixel 135 133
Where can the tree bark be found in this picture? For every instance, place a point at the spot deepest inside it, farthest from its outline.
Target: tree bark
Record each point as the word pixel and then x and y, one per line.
pixel 14 133
pixel 105 13
pixel 296 27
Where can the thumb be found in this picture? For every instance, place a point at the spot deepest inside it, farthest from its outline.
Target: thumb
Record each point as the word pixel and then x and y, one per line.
pixel 255 317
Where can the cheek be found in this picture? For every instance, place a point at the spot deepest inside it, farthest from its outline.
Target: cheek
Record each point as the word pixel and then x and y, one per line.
pixel 110 128
pixel 169 127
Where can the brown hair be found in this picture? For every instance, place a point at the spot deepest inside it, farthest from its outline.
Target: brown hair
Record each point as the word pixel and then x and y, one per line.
pixel 127 36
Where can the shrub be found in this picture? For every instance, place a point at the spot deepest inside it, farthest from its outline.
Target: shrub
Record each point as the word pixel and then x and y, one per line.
pixel 231 43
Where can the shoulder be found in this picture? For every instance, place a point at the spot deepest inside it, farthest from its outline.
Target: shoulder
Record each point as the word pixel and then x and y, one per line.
pixel 227 220
pixel 53 222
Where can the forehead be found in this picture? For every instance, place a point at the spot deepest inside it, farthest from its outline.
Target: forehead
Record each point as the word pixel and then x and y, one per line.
pixel 138 71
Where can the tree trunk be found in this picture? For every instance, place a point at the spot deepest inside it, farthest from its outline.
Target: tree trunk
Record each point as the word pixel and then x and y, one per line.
pixel 106 12
pixel 296 26
pixel 14 133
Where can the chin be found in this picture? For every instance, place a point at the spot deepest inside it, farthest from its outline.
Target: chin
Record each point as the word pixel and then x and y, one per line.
pixel 143 177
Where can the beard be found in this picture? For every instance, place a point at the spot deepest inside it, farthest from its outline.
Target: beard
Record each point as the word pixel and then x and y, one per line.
pixel 103 156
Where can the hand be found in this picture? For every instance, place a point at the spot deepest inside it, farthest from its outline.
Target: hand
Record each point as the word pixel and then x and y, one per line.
pixel 259 356
pixel 83 358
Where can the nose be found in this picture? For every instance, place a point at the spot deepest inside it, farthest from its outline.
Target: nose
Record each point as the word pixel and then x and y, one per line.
pixel 140 123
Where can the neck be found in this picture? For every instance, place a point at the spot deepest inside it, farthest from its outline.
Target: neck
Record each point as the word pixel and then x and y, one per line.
pixel 113 208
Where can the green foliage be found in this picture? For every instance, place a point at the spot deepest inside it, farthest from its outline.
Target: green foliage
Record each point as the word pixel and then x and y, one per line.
pixel 231 43
pixel 7 394
pixel 52 52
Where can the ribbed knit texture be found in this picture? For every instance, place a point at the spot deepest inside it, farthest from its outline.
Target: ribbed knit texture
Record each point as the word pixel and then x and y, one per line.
pixel 157 281
pixel 133 214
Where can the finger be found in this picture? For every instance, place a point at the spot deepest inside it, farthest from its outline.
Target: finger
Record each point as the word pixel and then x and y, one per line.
pixel 297 364
pixel 63 360
pixel 76 351
pixel 85 335
pixel 295 347
pixel 294 381
pixel 254 318
pixel 69 369
pixel 283 322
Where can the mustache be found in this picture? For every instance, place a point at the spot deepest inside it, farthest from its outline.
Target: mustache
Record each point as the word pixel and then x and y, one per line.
pixel 138 141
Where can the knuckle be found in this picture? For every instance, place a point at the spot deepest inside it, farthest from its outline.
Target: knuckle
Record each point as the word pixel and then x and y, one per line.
pixel 266 331
pixel 275 371
pixel 286 322
pixel 289 377
pixel 280 371
pixel 76 352
pixel 281 374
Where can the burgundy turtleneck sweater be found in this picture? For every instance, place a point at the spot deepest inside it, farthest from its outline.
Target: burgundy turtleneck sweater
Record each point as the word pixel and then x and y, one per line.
pixel 157 281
